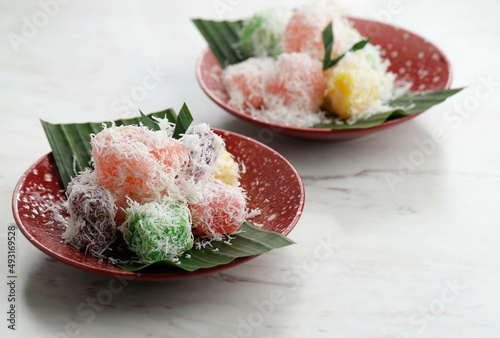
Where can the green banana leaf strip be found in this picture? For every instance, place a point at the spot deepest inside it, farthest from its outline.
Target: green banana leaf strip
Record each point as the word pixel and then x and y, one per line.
pixel 70 143
pixel 408 104
pixel 170 115
pixel 222 38
pixel 328 44
pixel 184 120
pixel 251 241
pixel 357 46
pixel 149 122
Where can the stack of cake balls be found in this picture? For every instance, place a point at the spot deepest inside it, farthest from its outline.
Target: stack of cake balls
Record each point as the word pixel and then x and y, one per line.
pixel 284 81
pixel 155 192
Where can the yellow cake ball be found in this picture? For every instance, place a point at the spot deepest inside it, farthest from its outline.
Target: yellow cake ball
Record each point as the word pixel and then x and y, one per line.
pixel 359 85
pixel 227 169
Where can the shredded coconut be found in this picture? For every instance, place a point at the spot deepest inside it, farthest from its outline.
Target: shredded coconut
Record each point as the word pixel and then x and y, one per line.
pixel 91 225
pixel 151 183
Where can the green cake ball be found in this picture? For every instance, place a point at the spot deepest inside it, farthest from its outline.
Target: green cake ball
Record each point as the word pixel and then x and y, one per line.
pixel 262 34
pixel 158 230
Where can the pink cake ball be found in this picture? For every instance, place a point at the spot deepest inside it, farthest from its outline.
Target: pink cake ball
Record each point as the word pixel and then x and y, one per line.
pixel 244 82
pixel 222 210
pixel 304 31
pixel 136 162
pixel 297 82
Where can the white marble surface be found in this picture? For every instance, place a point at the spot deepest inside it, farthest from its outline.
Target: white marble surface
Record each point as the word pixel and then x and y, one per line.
pixel 418 258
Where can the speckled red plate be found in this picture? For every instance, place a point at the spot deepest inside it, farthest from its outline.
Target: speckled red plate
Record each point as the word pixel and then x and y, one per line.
pixel 412 58
pixel 271 183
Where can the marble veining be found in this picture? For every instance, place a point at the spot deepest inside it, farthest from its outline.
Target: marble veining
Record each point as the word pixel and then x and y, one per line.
pixel 396 240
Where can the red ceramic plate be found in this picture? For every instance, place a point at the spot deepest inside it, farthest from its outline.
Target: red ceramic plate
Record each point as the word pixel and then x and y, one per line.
pixel 412 58
pixel 271 183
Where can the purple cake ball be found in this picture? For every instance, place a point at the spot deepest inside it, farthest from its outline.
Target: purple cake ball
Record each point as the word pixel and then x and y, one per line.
pixel 91 225
pixel 204 148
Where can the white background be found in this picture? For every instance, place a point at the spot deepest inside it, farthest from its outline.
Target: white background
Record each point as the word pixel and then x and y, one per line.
pixel 415 259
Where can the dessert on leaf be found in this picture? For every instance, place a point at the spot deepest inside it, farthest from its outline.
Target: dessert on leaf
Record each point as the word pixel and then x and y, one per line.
pixel 155 192
pixel 309 67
